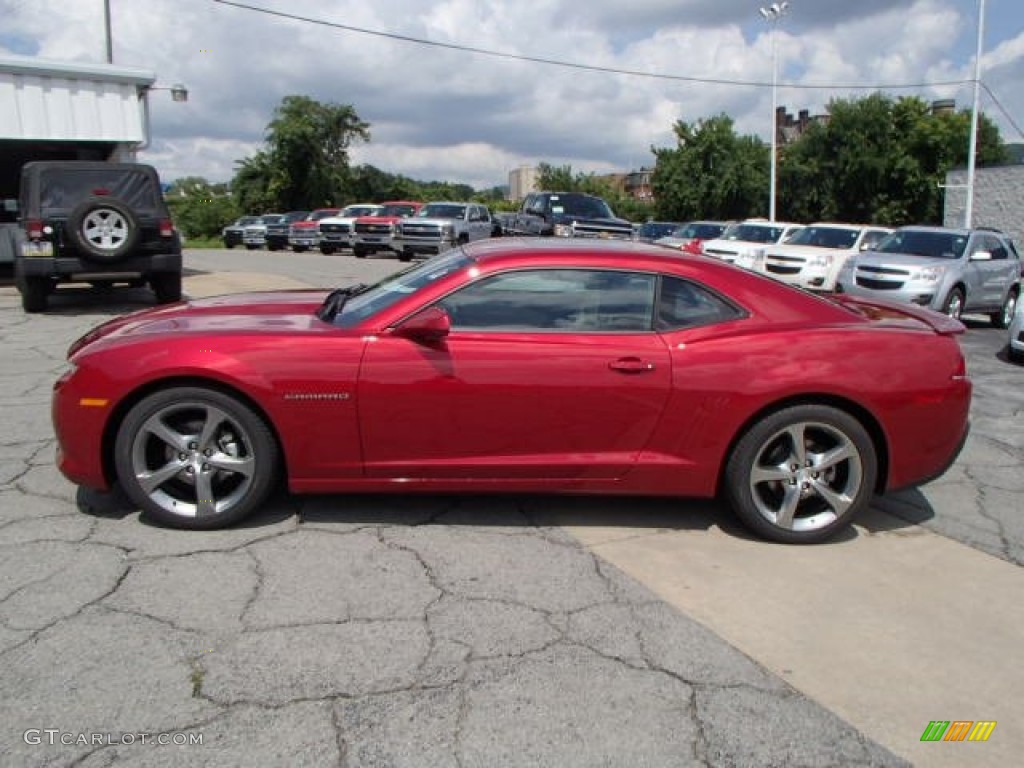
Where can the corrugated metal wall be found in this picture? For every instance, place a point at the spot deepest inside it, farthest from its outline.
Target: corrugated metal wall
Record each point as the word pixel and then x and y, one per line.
pixel 42 107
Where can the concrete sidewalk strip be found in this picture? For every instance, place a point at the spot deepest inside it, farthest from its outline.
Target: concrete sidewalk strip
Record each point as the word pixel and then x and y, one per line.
pixel 216 284
pixel 890 629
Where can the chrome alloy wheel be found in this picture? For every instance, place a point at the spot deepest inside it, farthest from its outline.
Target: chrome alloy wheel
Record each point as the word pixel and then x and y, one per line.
pixel 805 476
pixel 106 228
pixel 193 459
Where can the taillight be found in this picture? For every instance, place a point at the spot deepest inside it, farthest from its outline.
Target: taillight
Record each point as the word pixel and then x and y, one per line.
pixel 34 228
pixel 166 228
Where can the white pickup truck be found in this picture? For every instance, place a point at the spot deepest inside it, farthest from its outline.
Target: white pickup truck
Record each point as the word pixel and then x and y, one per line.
pixel 436 227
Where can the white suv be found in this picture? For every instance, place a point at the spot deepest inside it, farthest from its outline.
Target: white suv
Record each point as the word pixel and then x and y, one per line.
pixel 813 256
pixel 743 242
pixel 336 231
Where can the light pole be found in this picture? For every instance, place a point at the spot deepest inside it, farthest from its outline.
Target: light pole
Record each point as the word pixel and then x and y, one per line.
pixel 773 15
pixel 972 150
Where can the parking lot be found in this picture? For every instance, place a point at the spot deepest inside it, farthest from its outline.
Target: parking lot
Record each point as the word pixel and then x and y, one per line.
pixel 481 631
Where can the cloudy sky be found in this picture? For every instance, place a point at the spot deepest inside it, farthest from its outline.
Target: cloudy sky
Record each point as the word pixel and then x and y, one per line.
pixel 442 114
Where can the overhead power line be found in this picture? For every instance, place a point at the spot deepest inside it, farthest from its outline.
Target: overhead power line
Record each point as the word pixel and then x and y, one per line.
pixel 587 67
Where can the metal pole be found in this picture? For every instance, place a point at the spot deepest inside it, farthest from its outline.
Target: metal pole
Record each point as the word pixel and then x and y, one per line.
pixel 775 121
pixel 972 150
pixel 106 26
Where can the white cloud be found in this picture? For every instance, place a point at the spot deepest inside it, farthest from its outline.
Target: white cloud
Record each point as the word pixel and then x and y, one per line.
pixel 439 114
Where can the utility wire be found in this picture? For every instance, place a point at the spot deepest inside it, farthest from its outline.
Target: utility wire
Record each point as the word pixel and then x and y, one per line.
pixel 588 67
pixel 1002 109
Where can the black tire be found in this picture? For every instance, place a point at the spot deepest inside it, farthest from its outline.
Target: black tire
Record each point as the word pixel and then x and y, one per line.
pixel 103 229
pixel 954 303
pixel 238 465
pixel 273 247
pixel 166 286
pixel 359 253
pixel 35 292
pixel 299 248
pixel 1004 316
pixel 250 247
pixel 405 255
pixel 772 483
pixel 327 250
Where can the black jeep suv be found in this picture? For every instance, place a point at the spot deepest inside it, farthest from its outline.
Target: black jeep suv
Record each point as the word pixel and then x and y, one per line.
pixel 93 222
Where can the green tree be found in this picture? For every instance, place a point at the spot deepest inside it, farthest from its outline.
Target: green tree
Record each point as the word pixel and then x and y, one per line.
pixel 199 208
pixel 711 173
pixel 305 163
pixel 879 159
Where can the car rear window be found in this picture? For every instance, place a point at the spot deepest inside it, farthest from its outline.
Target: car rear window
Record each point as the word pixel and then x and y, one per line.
pixel 61 190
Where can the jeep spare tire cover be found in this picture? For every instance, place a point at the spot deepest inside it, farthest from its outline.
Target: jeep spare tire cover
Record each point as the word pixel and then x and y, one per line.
pixel 103 229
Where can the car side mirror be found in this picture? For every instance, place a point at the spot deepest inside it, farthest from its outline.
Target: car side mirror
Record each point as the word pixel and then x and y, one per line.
pixel 981 256
pixel 428 326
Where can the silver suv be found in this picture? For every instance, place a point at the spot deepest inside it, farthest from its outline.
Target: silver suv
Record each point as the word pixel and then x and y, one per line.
pixel 950 270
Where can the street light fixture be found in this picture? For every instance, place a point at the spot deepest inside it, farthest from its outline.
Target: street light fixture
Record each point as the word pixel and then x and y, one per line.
pixel 773 15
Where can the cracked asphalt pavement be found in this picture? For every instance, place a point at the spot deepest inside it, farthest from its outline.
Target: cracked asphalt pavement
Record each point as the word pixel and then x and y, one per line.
pixel 379 631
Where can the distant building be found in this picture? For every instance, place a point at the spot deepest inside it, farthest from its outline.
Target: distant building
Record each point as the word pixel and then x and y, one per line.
pixel 789 128
pixel 638 184
pixel 522 181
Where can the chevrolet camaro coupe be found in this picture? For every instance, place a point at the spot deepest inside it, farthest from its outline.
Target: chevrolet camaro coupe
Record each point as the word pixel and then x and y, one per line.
pixel 598 367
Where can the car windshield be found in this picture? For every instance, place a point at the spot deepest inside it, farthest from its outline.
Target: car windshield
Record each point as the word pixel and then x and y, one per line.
pixel 247 220
pixel 698 230
pixel 916 242
pixel 442 211
pixel 395 287
pixel 361 210
pixel 275 218
pixel 655 229
pixel 295 216
pixel 581 205
pixel 323 213
pixel 400 210
pixel 825 237
pixel 753 233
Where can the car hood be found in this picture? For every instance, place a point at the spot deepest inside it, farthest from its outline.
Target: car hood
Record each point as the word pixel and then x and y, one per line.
pixel 380 219
pixel 874 258
pixel 305 224
pixel 236 313
pixel 429 220
pixel 801 250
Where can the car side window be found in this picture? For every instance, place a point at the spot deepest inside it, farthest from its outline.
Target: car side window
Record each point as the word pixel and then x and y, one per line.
pixel 683 304
pixel 996 248
pixel 555 300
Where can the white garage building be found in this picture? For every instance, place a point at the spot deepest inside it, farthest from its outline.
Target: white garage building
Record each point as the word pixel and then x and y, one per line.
pixel 52 110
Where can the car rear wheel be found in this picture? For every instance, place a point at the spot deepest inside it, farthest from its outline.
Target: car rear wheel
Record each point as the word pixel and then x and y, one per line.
pixel 954 304
pixel 801 474
pixel 166 286
pixel 35 292
pixel 195 458
pixel 1004 316
pixel 103 229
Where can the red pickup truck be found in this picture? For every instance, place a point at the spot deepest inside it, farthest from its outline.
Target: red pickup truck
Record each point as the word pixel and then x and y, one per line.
pixel 305 234
pixel 377 233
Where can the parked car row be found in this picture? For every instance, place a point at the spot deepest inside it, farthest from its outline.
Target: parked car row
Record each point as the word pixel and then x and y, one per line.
pixel 406 228
pixel 949 270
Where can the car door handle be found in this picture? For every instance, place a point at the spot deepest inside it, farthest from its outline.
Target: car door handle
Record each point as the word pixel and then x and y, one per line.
pixel 631 365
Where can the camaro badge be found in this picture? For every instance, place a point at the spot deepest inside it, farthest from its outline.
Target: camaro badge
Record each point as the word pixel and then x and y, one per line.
pixel 316 396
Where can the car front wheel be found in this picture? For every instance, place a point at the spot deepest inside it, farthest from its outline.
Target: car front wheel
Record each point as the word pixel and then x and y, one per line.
pixel 801 474
pixel 195 458
pixel 1004 316
pixel 954 304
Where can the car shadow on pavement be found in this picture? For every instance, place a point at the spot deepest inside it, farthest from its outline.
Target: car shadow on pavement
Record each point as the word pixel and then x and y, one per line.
pixel 893 512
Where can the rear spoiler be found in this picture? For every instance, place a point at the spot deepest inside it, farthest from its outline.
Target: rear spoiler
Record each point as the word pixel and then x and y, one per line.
pixel 883 309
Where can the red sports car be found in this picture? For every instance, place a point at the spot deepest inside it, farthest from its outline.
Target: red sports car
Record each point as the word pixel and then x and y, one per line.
pixel 510 365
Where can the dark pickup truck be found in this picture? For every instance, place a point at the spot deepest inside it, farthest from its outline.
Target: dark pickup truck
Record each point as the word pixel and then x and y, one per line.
pixel 566 214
